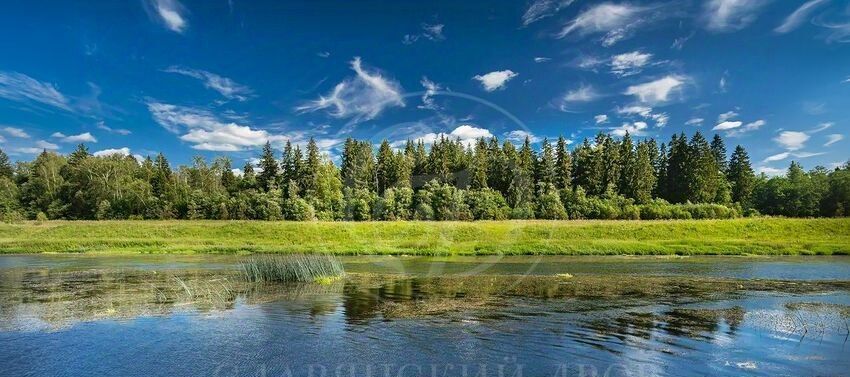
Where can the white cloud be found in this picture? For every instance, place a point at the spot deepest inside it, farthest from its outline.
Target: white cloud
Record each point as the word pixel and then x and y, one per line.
pixel 634 129
pixel 19 87
pixel 322 54
pixel 726 116
pixel 749 127
pixel 465 133
pixel 540 9
pixel 727 125
pixel 589 62
pixel 615 20
pixel 792 140
pixel 731 15
pixel 694 122
pixel 80 138
pixel 42 144
pixel 109 152
pixel 644 111
pixel 171 13
pixel 431 88
pixel 770 171
pixel 822 126
pixel 778 157
pixel 120 131
pixel 2 139
pixel 601 118
pixel 847 80
pixel 223 85
pixel 540 59
pixel 429 32
pixel 362 97
pixel 496 79
pixel 795 19
pixel 584 93
pixel 519 136
pixel 661 119
pixel 657 91
pixel 833 138
pixel 16 132
pixel 629 63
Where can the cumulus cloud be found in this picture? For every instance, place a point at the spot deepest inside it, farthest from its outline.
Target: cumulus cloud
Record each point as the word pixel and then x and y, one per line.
pixel 795 19
pixel 112 151
pixel 657 91
pixel 362 97
pixel 16 132
pixel 601 119
pixel 120 131
pixel 540 9
pixel 19 87
pixel 223 85
pixel 727 125
pixel 495 80
pixel 634 129
pixel 80 138
pixel 171 13
pixel 792 140
pixel 467 134
pixel 615 21
pixel 629 63
pixel 833 138
pixel 731 15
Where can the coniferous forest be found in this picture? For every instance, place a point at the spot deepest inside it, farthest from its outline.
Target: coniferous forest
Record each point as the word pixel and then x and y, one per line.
pixel 604 178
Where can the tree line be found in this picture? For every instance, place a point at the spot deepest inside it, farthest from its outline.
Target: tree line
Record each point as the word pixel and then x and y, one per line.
pixel 603 178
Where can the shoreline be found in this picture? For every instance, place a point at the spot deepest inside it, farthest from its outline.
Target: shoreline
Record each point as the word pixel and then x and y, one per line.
pixel 750 236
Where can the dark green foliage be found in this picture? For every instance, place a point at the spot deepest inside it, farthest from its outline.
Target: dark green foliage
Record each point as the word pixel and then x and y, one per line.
pixel 608 179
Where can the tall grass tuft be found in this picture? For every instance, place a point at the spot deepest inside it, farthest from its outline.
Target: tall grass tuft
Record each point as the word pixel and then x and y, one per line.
pixel 292 268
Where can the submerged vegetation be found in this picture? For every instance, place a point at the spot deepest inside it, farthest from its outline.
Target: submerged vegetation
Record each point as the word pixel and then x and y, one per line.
pixel 763 236
pixel 292 268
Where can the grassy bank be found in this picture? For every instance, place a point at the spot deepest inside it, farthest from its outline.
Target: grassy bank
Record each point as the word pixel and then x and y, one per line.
pixel 766 236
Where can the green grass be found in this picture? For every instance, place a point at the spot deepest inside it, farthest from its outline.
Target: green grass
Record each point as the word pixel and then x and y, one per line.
pixel 292 268
pixel 767 236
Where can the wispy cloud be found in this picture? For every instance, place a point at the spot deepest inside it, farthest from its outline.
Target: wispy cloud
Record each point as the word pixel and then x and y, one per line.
pixel 495 80
pixel 615 21
pixel 16 132
pixel 795 19
pixel 657 91
pixel 601 119
pixel 79 138
pixel 40 146
pixel 786 155
pixel 584 93
pixel 634 129
pixel 323 54
pixel 630 63
pixel 429 32
pixel 223 85
pixel 833 138
pixel 120 131
pixel 731 15
pixel 359 98
pixel 746 128
pixel 19 87
pixel 519 136
pixel 694 122
pixel 540 9
pixel 431 88
pixel 171 13
pixel 540 59
pixel 645 112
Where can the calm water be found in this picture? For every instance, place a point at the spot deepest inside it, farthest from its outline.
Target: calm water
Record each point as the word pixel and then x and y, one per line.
pixel 189 316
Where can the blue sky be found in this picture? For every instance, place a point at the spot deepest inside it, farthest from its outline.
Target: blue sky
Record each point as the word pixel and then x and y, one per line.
pixel 219 77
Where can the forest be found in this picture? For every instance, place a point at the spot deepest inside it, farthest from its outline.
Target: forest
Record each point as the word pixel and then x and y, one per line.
pixel 607 177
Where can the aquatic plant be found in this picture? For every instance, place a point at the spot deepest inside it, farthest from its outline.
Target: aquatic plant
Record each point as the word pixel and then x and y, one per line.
pixel 292 268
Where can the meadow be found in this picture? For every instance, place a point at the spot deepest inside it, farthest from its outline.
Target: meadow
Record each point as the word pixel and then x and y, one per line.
pixel 748 236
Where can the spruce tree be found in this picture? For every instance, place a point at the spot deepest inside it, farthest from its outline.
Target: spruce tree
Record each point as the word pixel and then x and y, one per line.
pixel 583 159
pixel 5 166
pixel 268 178
pixel 741 177
pixel 643 180
pixel 563 165
pixel 309 176
pixel 626 183
pixel 546 165
pixel 479 166
pixel 718 150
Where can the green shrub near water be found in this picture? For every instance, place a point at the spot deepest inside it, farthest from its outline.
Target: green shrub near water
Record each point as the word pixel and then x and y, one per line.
pixel 292 268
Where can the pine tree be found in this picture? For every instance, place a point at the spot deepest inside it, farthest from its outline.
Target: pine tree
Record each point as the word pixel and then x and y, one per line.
pixel 643 180
pixel 311 169
pixel 79 154
pixel 703 175
pixel 521 187
pixel 563 165
pixel 741 177
pixel 661 173
pixel 678 159
pixel 161 176
pixel 583 161
pixel 5 166
pixel 496 171
pixel 268 178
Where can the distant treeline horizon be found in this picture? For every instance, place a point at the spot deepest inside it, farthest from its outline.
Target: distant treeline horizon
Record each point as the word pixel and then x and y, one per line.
pixel 606 178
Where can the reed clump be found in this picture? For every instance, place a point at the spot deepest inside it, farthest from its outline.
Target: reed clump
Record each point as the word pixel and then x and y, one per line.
pixel 292 268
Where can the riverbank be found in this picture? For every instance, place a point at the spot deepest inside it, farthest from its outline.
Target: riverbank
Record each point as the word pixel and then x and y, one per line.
pixel 759 236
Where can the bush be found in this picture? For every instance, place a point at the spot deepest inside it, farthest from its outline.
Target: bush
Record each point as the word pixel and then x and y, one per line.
pixel 297 209
pixel 41 217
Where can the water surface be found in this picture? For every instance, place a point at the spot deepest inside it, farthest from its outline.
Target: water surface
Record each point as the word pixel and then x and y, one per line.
pixel 412 316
